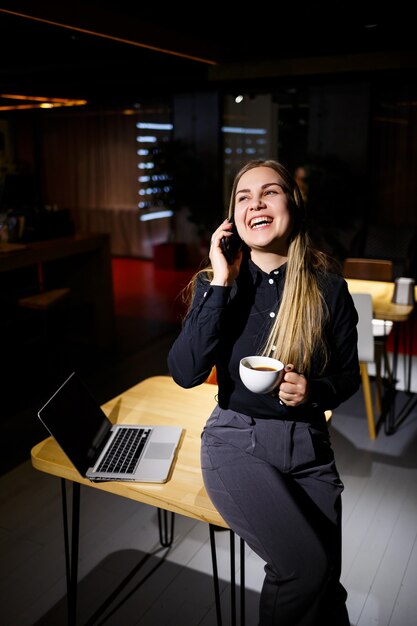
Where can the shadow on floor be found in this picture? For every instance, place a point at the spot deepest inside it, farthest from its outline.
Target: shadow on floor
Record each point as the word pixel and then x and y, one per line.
pixel 127 587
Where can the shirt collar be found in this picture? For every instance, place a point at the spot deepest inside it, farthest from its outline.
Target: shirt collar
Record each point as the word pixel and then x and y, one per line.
pixel 256 271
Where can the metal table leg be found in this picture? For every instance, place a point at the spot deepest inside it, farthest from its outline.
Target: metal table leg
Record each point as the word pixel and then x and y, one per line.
pixel 242 583
pixel 212 530
pixel 71 548
pixel 166 535
pixel 392 420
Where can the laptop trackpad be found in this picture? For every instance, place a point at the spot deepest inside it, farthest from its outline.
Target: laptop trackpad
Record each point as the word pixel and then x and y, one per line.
pixel 159 451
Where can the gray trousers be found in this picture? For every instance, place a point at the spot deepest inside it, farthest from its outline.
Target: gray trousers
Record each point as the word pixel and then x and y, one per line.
pixel 276 485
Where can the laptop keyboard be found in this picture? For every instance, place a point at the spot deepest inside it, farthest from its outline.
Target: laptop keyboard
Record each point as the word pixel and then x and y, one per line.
pixel 124 453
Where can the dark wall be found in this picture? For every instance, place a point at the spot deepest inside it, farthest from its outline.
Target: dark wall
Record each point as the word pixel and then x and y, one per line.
pixel 197 122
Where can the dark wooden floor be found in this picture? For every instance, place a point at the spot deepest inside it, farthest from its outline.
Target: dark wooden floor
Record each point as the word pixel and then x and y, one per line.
pixel 120 549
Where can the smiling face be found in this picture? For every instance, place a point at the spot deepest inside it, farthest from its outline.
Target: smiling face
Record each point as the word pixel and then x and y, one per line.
pixel 261 211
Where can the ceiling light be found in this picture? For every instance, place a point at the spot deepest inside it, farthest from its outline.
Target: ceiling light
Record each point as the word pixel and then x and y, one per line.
pixel 37 102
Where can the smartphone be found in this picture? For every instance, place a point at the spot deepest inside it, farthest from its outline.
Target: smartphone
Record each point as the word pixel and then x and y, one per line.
pixel 231 245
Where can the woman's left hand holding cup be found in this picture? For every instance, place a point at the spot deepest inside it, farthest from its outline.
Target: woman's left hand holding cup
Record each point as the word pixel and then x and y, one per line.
pixel 293 389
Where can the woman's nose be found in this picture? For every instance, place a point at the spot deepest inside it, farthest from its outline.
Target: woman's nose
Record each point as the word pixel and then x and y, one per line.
pixel 256 204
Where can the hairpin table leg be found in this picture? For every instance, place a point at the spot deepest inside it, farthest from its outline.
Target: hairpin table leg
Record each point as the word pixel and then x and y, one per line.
pixel 71 548
pixel 213 529
pixel 166 535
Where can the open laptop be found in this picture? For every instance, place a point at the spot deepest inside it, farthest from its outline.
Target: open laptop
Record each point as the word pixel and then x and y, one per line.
pixel 101 450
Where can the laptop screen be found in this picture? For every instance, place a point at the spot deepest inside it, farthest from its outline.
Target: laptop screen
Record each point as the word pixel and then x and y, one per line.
pixel 76 421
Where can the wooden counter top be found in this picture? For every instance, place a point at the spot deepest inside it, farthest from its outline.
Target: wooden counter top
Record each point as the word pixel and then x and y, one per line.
pixel 14 256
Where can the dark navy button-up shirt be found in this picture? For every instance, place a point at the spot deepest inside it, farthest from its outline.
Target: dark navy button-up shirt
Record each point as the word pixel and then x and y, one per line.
pixel 226 324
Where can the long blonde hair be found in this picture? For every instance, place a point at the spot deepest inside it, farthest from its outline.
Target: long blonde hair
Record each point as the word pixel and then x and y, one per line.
pixel 297 332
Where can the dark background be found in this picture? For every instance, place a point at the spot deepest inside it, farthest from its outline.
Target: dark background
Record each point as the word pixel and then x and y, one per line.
pixel 351 67
pixel 94 49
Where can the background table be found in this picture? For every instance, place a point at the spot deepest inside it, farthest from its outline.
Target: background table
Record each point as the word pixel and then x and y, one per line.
pixel 382 293
pixel 384 309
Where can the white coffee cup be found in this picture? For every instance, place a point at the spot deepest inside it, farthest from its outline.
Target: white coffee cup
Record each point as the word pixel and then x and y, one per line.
pixel 404 291
pixel 261 374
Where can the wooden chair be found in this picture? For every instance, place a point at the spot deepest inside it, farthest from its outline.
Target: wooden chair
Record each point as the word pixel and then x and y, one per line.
pixel 373 269
pixel 370 352
pixel 212 377
pixel 368 269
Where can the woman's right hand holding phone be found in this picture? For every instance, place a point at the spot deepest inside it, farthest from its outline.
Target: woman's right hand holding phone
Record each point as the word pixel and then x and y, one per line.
pixel 224 273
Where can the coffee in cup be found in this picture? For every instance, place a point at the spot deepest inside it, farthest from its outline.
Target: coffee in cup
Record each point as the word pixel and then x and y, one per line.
pixel 261 374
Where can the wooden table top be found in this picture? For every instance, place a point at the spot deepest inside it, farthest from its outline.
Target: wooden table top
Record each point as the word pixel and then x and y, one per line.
pixel 156 400
pixel 382 292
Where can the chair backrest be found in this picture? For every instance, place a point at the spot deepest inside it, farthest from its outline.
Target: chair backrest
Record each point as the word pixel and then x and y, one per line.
pixel 366 345
pixel 368 269
pixel 212 377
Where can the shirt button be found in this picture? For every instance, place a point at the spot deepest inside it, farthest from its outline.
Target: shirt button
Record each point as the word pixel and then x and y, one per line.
pixel 272 314
pixel 276 271
pixel 271 281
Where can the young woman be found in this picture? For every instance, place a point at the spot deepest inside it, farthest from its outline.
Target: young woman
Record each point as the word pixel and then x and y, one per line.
pixel 267 461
